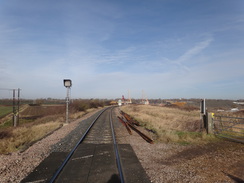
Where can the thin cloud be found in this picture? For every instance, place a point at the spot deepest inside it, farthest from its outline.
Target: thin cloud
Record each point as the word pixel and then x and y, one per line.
pixel 189 54
pixel 194 51
pixel 120 45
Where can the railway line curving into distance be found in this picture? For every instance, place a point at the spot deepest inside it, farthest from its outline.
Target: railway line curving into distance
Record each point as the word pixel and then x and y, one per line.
pixel 97 133
pixel 96 156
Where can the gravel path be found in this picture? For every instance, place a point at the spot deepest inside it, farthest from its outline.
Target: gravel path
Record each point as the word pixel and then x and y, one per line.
pixel 219 162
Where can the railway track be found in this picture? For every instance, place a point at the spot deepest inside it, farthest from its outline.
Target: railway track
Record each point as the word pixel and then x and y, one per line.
pixel 97 133
pixel 96 157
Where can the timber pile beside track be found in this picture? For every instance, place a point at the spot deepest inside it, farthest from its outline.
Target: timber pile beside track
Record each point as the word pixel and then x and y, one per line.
pixel 95 158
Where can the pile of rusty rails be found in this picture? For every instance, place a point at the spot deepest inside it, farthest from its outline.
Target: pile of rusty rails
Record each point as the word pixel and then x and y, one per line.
pixel 130 123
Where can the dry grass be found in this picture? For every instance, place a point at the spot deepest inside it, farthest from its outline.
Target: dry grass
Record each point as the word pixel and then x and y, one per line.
pixel 4 110
pixel 77 115
pixel 17 138
pixel 43 110
pixel 163 117
pixel 170 124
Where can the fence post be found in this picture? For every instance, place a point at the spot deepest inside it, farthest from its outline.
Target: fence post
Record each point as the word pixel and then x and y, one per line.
pixel 203 114
pixel 209 125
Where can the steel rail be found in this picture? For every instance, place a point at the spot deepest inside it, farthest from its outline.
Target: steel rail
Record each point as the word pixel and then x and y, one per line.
pixel 145 137
pixel 125 124
pixel 116 150
pixel 73 150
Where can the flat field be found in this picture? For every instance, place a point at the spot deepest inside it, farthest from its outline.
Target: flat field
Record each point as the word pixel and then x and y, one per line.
pixel 35 123
pixel 43 110
pixel 4 110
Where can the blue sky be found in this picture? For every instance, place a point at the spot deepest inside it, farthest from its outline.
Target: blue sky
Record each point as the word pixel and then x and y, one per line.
pixel 167 48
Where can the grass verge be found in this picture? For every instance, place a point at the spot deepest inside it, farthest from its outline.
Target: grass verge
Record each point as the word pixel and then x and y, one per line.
pixel 31 130
pixel 185 137
pixel 170 124
pixel 20 137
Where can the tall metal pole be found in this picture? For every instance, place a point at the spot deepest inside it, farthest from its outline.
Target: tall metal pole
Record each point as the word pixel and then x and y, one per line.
pixel 14 110
pixel 67 105
pixel 67 84
pixel 18 106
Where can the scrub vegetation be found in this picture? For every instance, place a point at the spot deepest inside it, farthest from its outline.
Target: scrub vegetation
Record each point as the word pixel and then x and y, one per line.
pixel 85 104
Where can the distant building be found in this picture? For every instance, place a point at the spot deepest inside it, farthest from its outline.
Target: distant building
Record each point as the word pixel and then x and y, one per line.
pixel 234 110
pixel 113 102
pixel 119 102
pixel 239 103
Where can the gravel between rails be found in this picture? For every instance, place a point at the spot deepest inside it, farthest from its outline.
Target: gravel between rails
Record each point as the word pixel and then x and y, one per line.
pixel 163 162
